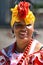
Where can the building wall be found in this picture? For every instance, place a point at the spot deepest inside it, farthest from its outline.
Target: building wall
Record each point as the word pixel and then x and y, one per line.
pixel 39 20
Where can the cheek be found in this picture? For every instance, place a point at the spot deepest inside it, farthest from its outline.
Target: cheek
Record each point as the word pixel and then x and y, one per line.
pixel 30 32
pixel 16 31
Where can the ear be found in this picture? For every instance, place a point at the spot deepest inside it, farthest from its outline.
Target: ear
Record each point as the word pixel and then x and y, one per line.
pixel 12 31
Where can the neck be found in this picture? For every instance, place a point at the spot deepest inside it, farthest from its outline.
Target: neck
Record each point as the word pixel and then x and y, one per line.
pixel 20 47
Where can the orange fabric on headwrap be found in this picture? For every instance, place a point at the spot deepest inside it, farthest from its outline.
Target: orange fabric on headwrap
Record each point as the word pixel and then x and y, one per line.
pixel 22 12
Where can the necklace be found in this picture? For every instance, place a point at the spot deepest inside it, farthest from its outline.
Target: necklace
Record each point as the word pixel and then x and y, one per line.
pixel 25 53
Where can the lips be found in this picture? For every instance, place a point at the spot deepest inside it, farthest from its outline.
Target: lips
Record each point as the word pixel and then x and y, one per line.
pixel 23 34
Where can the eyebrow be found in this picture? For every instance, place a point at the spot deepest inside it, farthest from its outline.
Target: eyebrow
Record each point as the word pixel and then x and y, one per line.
pixel 29 25
pixel 19 23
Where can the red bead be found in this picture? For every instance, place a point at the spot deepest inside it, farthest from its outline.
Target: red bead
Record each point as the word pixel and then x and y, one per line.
pixel 25 53
pixel 23 57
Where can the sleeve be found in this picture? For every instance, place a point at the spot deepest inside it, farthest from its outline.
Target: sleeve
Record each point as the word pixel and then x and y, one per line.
pixel 38 60
pixel 4 60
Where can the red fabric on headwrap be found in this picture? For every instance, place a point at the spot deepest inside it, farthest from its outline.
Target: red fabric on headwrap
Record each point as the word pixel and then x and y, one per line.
pixel 23 8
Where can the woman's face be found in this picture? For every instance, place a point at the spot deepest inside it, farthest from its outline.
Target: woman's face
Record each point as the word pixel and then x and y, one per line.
pixel 22 31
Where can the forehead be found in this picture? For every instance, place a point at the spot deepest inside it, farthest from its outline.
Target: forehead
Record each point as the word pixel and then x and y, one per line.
pixel 20 22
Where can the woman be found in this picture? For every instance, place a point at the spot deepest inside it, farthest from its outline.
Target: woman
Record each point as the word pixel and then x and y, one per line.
pixel 25 50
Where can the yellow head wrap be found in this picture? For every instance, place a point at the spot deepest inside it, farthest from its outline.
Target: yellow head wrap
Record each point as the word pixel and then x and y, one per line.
pixel 29 19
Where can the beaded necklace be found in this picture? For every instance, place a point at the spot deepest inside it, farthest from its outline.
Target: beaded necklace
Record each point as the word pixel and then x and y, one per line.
pixel 25 53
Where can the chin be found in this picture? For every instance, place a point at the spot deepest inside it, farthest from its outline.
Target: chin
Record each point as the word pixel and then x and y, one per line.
pixel 24 40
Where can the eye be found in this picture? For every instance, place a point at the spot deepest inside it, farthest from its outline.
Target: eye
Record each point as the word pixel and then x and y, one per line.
pixel 29 25
pixel 19 25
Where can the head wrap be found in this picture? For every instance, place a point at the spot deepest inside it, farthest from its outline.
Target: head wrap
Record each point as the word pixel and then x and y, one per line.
pixel 22 12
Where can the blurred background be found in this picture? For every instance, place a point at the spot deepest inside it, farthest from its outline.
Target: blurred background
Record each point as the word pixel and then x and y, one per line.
pixel 6 36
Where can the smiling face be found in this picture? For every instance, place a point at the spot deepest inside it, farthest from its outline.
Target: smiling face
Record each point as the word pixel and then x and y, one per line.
pixel 23 32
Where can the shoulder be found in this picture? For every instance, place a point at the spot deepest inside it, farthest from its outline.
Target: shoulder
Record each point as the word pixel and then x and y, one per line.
pixel 4 59
pixel 38 46
pixel 7 50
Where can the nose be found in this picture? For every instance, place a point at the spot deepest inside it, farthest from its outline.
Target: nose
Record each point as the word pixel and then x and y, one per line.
pixel 24 29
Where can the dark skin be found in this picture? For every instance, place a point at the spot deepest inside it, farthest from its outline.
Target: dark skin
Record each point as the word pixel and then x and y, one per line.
pixel 23 35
